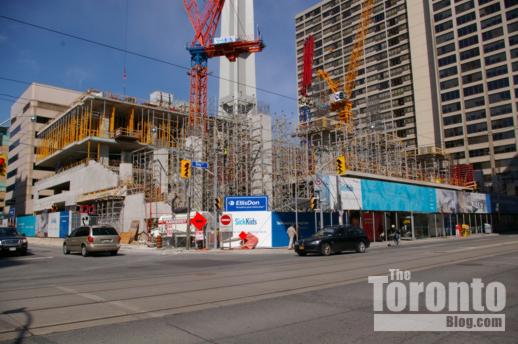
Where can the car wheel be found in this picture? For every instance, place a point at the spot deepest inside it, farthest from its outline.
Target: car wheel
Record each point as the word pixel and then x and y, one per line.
pixel 65 249
pixel 360 247
pixel 114 253
pixel 326 249
pixel 84 251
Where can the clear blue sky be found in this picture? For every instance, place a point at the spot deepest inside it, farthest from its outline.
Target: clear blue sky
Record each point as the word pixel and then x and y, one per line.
pixel 158 28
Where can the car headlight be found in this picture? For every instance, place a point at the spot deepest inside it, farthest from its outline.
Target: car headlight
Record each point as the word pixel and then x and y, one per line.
pixel 0 242
pixel 24 240
pixel 315 242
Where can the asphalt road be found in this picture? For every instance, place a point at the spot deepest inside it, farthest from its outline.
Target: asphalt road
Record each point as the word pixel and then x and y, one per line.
pixel 138 297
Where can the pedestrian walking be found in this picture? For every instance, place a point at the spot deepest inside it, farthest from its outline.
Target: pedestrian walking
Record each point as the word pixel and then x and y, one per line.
pixel 292 233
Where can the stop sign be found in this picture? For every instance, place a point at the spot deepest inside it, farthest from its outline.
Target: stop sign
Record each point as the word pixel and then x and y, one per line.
pixel 225 220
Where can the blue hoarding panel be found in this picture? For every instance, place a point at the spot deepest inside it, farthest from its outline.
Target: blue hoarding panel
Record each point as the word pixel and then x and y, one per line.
pixel 282 220
pixel 386 196
pixel 26 225
pixel 63 224
pixel 246 203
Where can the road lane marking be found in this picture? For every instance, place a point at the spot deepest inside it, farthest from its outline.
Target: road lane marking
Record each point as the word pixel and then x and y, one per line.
pixel 34 258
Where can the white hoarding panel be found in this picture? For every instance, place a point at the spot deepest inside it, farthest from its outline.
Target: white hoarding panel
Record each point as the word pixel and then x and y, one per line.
pixel 259 223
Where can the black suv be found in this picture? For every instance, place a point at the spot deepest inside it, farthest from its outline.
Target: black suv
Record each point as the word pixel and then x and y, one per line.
pixel 12 241
pixel 333 239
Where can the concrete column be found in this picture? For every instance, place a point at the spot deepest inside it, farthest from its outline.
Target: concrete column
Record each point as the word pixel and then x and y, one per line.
pixel 104 155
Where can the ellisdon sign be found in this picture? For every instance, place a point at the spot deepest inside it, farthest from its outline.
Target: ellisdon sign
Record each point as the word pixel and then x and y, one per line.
pixel 246 203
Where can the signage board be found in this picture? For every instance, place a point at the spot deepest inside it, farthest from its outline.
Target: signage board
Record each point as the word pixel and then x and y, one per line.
pixel 199 221
pixel 225 223
pixel 200 164
pixel 246 203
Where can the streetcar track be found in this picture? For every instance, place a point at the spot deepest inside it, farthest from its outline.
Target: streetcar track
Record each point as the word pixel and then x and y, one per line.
pixel 255 297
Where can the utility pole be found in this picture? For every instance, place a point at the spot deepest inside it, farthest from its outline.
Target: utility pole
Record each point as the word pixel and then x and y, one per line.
pixel 215 220
pixel 188 232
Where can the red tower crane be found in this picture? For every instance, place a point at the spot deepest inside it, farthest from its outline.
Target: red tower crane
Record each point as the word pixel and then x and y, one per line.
pixel 203 47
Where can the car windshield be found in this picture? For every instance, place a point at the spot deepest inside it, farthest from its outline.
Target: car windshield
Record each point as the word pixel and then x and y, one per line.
pixel 4 232
pixel 104 231
pixel 325 232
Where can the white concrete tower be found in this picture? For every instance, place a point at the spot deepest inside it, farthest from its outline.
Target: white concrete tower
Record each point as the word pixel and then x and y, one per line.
pixel 238 96
pixel 237 20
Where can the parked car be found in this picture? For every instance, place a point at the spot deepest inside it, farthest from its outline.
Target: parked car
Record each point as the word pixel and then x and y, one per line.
pixel 12 241
pixel 334 239
pixel 90 239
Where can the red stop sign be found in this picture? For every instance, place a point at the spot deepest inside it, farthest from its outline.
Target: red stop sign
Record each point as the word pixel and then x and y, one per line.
pixel 225 220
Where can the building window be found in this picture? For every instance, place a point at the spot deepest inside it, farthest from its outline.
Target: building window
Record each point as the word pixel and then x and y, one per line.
pixel 14 144
pixel 451 107
pixel 466 79
pixel 468 104
pixel 12 159
pixel 495 58
pixel 496 84
pixel 466 18
pixel 443 15
pixel 454 143
pixel 12 173
pixel 446 49
pixel 475 115
pixel 469 91
pixel 440 5
pixel 444 73
pixel 478 139
pixel 501 110
pixel 464 7
pixel 458 155
pixel 449 84
pixel 495 33
pixel 466 30
pixel 490 47
pixel 491 21
pixel 505 149
pixel 498 97
pixel 476 128
pixel 467 54
pixel 450 96
pixel 443 26
pixel 478 152
pixel 453 132
pixel 444 38
pixel 452 119
pixel 503 135
pixel 26 107
pixel 465 67
pixel 490 73
pixel 15 131
pixel 502 123
pixel 466 42
pixel 489 9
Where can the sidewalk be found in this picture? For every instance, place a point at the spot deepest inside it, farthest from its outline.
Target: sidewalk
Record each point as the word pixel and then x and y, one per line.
pixel 57 242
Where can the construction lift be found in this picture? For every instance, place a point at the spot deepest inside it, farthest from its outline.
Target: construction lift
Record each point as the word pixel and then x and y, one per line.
pixel 340 101
pixel 203 47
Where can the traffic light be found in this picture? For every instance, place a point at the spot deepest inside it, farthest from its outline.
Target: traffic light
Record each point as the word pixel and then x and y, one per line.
pixel 217 203
pixel 341 165
pixel 313 203
pixel 185 169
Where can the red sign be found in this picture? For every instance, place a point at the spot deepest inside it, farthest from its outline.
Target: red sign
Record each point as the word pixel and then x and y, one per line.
pixel 225 220
pixel 198 221
pixel 243 236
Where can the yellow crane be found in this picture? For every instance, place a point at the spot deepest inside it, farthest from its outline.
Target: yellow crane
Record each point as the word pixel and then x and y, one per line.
pixel 340 101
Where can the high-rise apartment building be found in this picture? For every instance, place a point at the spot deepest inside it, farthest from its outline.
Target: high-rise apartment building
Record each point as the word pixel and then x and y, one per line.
pixel 475 43
pixel 394 85
pixel 436 73
pixel 37 105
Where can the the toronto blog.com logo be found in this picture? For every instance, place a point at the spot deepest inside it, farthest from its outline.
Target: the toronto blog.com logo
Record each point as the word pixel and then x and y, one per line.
pixel 401 304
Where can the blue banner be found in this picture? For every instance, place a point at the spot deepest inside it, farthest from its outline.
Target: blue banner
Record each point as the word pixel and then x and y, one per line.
pixel 26 225
pixel 387 196
pixel 246 203
pixel 64 227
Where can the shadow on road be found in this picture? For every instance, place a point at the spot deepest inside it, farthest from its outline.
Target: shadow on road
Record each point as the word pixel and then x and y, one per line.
pixel 8 259
pixel 24 330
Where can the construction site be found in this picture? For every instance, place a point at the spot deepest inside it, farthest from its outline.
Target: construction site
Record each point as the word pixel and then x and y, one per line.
pixel 121 161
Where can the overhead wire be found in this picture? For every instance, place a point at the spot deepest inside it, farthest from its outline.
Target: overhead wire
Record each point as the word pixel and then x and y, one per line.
pixel 141 55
